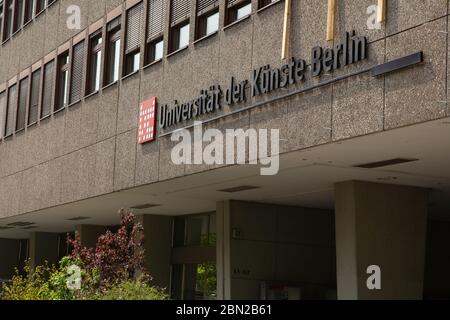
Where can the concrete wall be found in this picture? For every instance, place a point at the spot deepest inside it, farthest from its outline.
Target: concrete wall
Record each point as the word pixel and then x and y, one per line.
pixel 90 149
pixel 276 244
pixel 9 257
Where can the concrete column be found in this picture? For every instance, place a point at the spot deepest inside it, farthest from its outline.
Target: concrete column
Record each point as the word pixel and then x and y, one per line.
pixel 43 247
pixel 158 248
pixel 223 216
pixel 9 258
pixel 383 225
pixel 89 234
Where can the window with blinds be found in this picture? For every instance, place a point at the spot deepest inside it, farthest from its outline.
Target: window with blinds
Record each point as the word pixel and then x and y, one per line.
pixel 28 11
pixel 1 19
pixel 34 97
pixel 180 11
pixel 76 85
pixel 10 110
pixel 134 27
pixel 8 19
pixel 155 19
pixel 22 105
pixel 208 18
pixel 2 113
pixel 62 83
pixel 49 82
pixel 237 10
pixel 112 54
pixel 179 24
pixel 94 61
pixel 135 20
pixel 155 30
pixel 40 6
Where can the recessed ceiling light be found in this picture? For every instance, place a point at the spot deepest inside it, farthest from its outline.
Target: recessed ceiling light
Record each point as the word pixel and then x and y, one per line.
pixel 78 218
pixel 21 224
pixel 385 163
pixel 239 189
pixel 145 206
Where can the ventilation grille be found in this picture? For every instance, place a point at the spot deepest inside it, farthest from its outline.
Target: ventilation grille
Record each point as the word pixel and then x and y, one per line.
pixel 181 9
pixel 206 4
pixel 78 219
pixel 34 99
pixel 385 163
pixel 77 72
pixel 48 88
pixel 134 27
pixel 239 189
pixel 156 14
pixel 145 206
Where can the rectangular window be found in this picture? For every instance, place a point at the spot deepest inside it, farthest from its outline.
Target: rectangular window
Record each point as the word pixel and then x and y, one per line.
pixel 22 106
pixel 11 110
pixel 18 15
pixel 155 30
pixel 62 91
pixel 40 6
pixel 8 19
pixel 264 3
pixel 135 20
pixel 76 85
pixel 49 82
pixel 1 18
pixel 95 62
pixel 28 14
pixel 34 97
pixel 179 24
pixel 2 113
pixel 238 9
pixel 208 17
pixel 112 64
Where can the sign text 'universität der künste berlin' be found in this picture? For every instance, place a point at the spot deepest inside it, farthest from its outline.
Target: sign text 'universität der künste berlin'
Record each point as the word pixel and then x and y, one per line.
pixel 264 80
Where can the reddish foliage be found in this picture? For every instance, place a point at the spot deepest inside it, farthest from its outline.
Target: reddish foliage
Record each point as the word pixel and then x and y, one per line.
pixel 116 255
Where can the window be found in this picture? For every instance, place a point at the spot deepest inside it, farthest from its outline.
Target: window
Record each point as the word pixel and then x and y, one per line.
pixel 28 14
pixel 155 30
pixel 8 19
pixel 197 230
pixel 179 24
pixel 112 64
pixel 2 113
pixel 18 15
pixel 22 106
pixel 238 9
pixel 264 3
pixel 62 92
pixel 10 110
pixel 95 62
pixel 76 84
pixel 133 39
pixel 47 93
pixel 1 17
pixel 208 17
pixel 40 6
pixel 34 97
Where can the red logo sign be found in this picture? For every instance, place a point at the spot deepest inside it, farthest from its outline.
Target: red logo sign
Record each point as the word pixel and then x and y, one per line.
pixel 147 121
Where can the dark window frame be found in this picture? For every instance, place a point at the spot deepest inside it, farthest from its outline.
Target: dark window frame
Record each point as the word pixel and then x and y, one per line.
pixel 92 57
pixel 152 40
pixel 175 27
pixel 9 130
pixel 232 10
pixel 202 19
pixel 60 94
pixel 22 107
pixel 18 15
pixel 38 71
pixel 113 35
pixel 44 93
pixel 8 19
pixel 130 54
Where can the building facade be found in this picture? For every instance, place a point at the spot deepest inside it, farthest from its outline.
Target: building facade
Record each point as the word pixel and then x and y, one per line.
pixel 92 94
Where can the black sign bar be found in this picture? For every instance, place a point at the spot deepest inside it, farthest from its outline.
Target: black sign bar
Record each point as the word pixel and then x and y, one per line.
pixel 398 64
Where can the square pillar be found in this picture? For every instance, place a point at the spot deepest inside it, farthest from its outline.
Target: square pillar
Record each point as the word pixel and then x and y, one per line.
pixel 43 248
pixel 158 248
pixel 381 225
pixel 9 258
pixel 89 234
